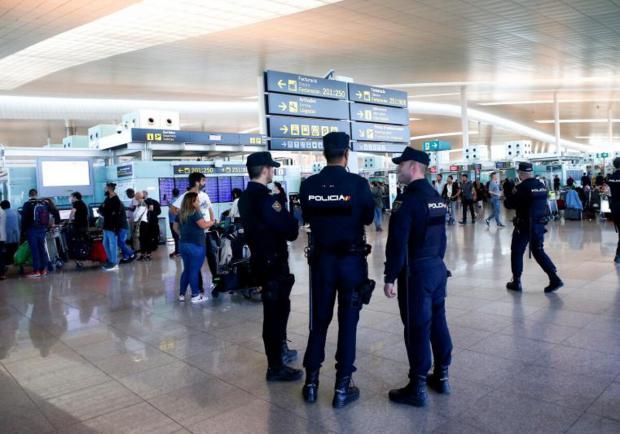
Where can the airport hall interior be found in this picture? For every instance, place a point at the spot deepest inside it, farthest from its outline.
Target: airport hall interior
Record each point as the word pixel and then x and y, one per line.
pixel 310 216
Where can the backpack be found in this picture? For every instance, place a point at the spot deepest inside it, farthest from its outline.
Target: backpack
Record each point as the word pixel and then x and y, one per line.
pixel 42 215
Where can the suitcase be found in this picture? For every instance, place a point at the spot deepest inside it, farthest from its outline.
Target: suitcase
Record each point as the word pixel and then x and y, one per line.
pixel 97 252
pixel 561 204
pixel 79 247
pixel 572 214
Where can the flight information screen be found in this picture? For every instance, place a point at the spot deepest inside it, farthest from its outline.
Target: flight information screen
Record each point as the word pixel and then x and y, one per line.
pixel 224 188
pixel 166 185
pixel 211 190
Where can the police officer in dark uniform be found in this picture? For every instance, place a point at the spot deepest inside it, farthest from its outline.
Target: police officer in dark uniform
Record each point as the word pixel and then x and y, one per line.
pixel 529 199
pixel 268 226
pixel 613 181
pixel 337 205
pixel 415 249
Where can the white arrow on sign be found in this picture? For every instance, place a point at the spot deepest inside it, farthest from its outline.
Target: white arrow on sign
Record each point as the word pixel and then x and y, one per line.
pixel 358 94
pixel 281 84
pixel 284 129
pixel 282 106
pixel 360 113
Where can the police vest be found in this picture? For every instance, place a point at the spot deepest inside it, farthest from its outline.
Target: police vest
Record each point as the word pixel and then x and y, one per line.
pixel 614 186
pixel 435 230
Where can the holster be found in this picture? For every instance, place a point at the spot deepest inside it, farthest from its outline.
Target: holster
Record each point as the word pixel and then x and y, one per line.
pixel 279 288
pixel 363 293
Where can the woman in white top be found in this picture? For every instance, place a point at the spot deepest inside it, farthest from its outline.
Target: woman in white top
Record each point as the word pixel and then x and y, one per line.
pixel 141 227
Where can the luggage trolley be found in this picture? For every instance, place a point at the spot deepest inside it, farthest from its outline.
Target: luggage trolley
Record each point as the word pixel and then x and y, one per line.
pixel 552 204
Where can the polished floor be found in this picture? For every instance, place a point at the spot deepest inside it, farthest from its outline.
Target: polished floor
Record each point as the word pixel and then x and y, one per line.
pixel 88 351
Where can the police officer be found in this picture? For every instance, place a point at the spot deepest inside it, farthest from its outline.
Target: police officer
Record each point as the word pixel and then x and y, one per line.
pixel 614 185
pixel 415 249
pixel 268 226
pixel 337 204
pixel 529 199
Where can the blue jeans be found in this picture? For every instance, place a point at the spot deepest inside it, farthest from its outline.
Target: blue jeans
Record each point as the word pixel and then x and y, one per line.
pixel 193 256
pixel 122 243
pixel 496 204
pixel 378 217
pixel 110 242
pixel 36 240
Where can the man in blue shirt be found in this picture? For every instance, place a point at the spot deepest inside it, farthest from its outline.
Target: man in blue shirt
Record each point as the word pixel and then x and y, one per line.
pixel 496 194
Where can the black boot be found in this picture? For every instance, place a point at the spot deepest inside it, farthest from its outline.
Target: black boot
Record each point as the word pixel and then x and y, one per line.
pixel 345 392
pixel 438 381
pixel 288 355
pixel 555 283
pixel 413 393
pixel 283 373
pixel 514 285
pixel 310 390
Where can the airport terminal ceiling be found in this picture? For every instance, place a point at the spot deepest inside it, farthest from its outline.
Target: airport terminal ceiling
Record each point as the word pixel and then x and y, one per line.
pixel 512 56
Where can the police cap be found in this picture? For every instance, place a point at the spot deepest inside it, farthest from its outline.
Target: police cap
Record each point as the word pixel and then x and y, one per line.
pixel 410 154
pixel 525 167
pixel 617 163
pixel 261 159
pixel 335 141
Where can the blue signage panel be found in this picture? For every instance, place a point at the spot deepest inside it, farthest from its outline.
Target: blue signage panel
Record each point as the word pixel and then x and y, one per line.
pixel 252 139
pixel 379 114
pixel 292 127
pixel 296 145
pixel 378 147
pixel 377 95
pixel 379 132
pixel 208 169
pixel 124 171
pixel 293 105
pixel 195 137
pixel 436 145
pixel 297 84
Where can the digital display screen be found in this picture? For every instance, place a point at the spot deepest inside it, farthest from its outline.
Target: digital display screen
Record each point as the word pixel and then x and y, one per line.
pixel 166 185
pixel 56 173
pixel 65 214
pixel 238 182
pixel 182 184
pixel 211 190
pixel 224 188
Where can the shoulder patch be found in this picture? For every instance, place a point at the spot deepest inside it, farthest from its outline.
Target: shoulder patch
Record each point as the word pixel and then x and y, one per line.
pixel 396 205
pixel 276 206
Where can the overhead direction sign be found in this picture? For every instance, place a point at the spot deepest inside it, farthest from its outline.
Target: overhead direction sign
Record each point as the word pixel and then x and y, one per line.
pixel 379 114
pixel 436 145
pixel 194 137
pixel 377 95
pixel 297 84
pixel 287 126
pixel 294 105
pixel 296 144
pixel 379 132
pixel 377 147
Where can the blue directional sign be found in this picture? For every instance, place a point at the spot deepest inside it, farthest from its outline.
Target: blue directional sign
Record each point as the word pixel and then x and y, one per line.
pixel 379 114
pixel 297 84
pixel 293 127
pixel 377 95
pixel 436 145
pixel 195 137
pixel 252 139
pixel 382 147
pixel 293 105
pixel 296 144
pixel 379 132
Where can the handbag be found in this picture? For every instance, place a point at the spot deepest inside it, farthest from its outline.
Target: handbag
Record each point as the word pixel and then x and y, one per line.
pixel 23 255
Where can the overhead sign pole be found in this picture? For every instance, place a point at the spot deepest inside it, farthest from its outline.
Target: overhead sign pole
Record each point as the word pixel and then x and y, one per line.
pixel 464 118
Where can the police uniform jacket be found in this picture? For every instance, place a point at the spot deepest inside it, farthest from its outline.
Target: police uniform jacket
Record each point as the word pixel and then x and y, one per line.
pixel 417 228
pixel 338 205
pixel 267 226
pixel 614 186
pixel 529 199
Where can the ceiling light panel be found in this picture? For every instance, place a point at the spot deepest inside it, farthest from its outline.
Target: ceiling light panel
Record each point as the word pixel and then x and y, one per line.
pixel 142 25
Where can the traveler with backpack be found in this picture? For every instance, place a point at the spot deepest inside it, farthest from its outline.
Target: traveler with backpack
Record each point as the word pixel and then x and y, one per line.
pixel 36 218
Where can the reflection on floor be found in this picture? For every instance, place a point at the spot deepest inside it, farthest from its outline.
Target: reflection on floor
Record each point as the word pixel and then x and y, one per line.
pixel 90 351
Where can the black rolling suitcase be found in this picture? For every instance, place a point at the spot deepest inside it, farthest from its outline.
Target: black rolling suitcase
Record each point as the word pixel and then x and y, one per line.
pixel 572 214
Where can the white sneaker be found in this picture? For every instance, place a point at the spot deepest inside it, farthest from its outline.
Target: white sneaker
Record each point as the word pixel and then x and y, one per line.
pixel 199 299
pixel 181 299
pixel 113 268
